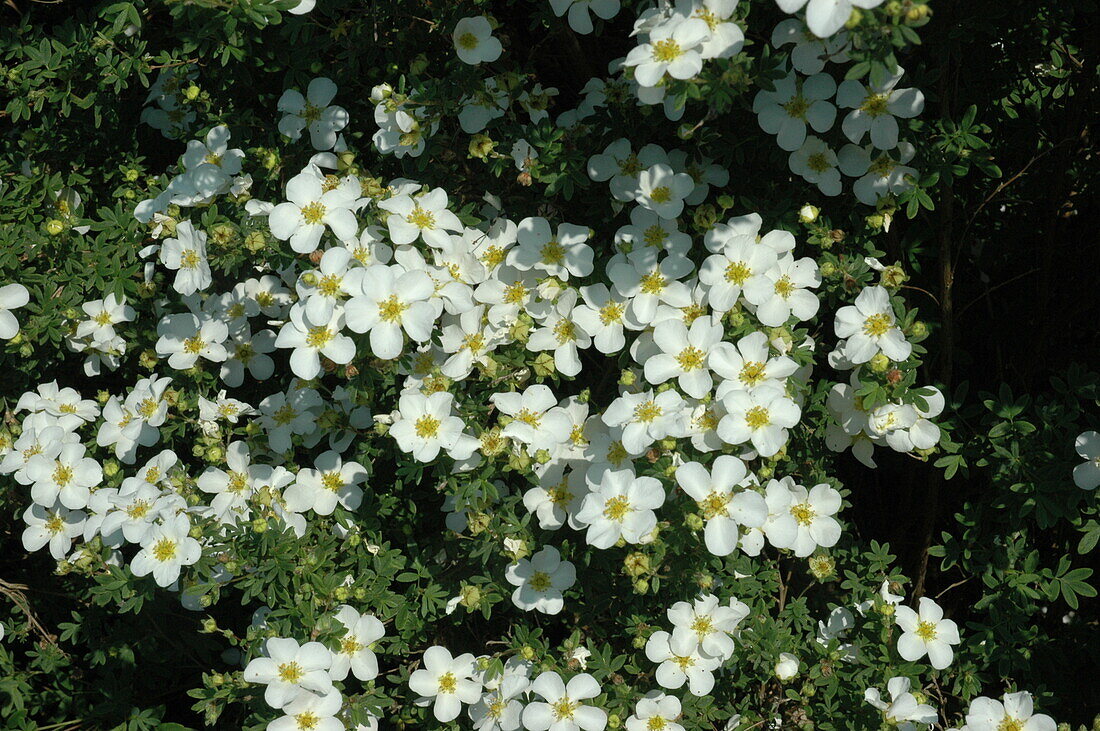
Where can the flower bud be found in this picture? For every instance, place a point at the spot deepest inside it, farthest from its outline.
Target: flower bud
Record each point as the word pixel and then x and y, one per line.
pixel 808 213
pixel 641 586
pixel 528 653
pixel 880 363
pixel 828 269
pixel 54 227
pixel 822 566
pixel 627 378
pixel 192 93
pixel 893 277
pixel 341 594
pixel 470 596
pixel 918 329
pixel 481 146
pixel 635 564
pixel 209 625
pixel 694 521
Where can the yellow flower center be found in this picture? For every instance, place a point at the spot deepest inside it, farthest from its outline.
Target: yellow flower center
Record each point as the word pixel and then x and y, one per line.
pixel 817 162
pixel 661 194
pixel 318 337
pixel 291 672
pixel 629 166
pixel 447 683
pixel 666 51
pixel 926 630
pixel 164 549
pixel 307 720
pixel 350 646
pixel 702 626
pixel 540 581
pixel 560 495
pixel 265 299
pixel 714 505
pixel 391 309
pixel 707 421
pixel 877 325
pixel 238 481
pixel 655 235
pixel 654 283
pixel 882 166
pixel 565 331
pixel 684 661
pixel 1008 723
pixel 611 312
pixel 313 212
pixel 468 41
pixel 690 358
pixel 475 343
pixel 529 417
pixel 515 294
pixel 285 414
pixel 737 273
pixel 757 417
pixel 311 113
pixel 103 318
pixel 332 481
pixel 427 427
pixel 329 285
pixel 55 524
pixel 190 259
pixel 496 709
pixel 194 345
pixel 752 372
pixel 803 513
pixel 797 107
pixel 420 218
pixel 564 708
pixel 875 105
pixel 62 474
pixel 616 453
pixel 552 253
pixel 147 408
pixel 616 508
pixel 138 509
pixel 647 411
pixel 784 287
pixel 712 22
pixel 657 723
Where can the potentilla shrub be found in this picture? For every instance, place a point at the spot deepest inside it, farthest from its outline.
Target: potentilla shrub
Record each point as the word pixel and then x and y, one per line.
pixel 472 460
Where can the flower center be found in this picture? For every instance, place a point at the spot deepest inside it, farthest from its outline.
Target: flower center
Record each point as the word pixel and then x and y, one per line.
pixel 189 259
pixel 552 253
pixel 655 235
pixel 702 626
pixel 611 312
pixel 332 481
pixel 290 672
pixel 560 495
pixel 420 218
pixel 926 630
pixel 757 417
pixel 55 524
pixel 164 549
pixel 62 474
pixel 817 162
pixel 564 708
pixel 666 51
pixel 684 661
pixel 447 683
pixel 875 105
pixel 803 513
pixel 285 414
pixel 796 107
pixel 882 166
pixel 653 283
pixel 877 325
pixel 475 343
pixel 629 166
pixel 737 273
pixel 784 287
pixel 616 508
pixel 529 417
pixel 329 285
pixel 661 194
pixel 657 723
pixel 194 345
pixel 714 505
pixel 103 318
pixel 313 212
pixel 540 581
pixel 307 720
pixel 350 646
pixel 468 41
pixel 565 331
pixel 690 358
pixel 647 411
pixel 752 372
pixel 427 427
pixel 238 481
pixel 1008 723
pixel 311 113
pixel 138 509
pixel 318 337
pixel 391 309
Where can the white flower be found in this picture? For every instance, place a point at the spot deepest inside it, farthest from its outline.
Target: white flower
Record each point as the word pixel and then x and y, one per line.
pixel 185 338
pixel 321 290
pixel 787 110
pixel 825 17
pixel 622 167
pixel 290 671
pixel 649 281
pixel 879 173
pixel 500 708
pixel 579 18
pixel 663 191
pixel 167 548
pixel 310 339
pixel 801 520
pixel 524 155
pixel 562 708
pixel 313 111
pixel 428 425
pixel 187 255
pixel 903 707
pixel 655 711
pixel 448 680
pixel 673 47
pixel 63 473
pixel 424 216
pixel 603 316
pixel 724 37
pixel 310 207
pixel 232 490
pixel 303 7
pixel 1016 712
pixel 870 327
pixel 787 666
pixel 681 660
pixel 684 354
pixel 723 508
pixel 558 496
pixel 331 482
pixel 474 42
pixel 56 526
pixel 782 291
pixel 761 417
pixel 646 417
pixel 103 315
pixel 710 623
pixel 559 254
pixel 749 365
pixel 561 334
pixel 875 107
pixel 541 581
pixel 925 631
pixel 283 415
pixel 309 712
pixel 392 299
pixel 537 421
pixel 647 229
pixel 621 506
pixel 482 107
pixel 12 297
pixel 1087 474
pixel 816 162
pixel 248 351
pixel 810 52
pixel 740 262
pixel 355 652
